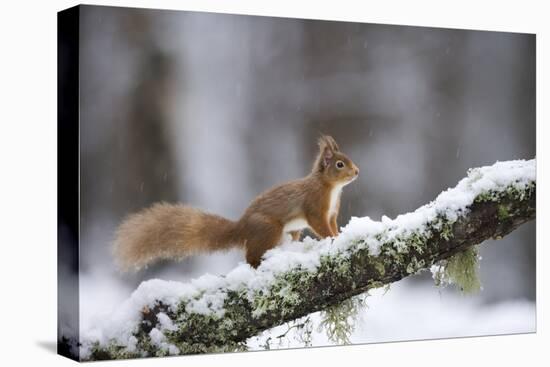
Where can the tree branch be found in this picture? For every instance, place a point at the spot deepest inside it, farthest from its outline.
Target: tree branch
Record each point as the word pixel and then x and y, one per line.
pixel 221 313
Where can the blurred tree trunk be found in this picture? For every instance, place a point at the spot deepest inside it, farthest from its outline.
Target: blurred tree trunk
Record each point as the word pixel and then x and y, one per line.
pixel 144 161
pixel 127 152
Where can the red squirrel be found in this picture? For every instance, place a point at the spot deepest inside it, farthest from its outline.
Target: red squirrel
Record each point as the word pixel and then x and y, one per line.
pixel 175 231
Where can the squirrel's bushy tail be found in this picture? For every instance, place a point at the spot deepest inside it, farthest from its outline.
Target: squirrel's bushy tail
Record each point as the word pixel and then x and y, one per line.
pixel 170 231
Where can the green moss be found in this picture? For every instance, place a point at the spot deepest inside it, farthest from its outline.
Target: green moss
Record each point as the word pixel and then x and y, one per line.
pixel 283 295
pixel 415 265
pixel 446 230
pixel 339 264
pixel 503 212
pixel 380 268
pixel 416 240
pixel 111 351
pixel 372 284
pixel 391 256
pixel 511 191
pixel 198 348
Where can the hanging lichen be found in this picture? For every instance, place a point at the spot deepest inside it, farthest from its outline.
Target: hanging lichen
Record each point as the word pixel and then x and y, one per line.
pixel 339 321
pixel 303 332
pixel 460 270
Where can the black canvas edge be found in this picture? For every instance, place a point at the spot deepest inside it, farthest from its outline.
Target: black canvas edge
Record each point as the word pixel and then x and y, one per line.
pixel 68 130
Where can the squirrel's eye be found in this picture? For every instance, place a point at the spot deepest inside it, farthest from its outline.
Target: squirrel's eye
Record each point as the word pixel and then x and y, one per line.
pixel 339 164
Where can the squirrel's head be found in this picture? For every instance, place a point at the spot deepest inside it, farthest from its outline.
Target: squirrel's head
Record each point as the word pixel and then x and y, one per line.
pixel 332 164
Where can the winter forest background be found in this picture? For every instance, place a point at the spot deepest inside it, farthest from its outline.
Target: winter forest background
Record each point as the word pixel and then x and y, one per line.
pixel 212 109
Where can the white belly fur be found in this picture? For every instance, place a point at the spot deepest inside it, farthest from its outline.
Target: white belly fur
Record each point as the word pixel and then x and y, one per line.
pixel 296 224
pixel 334 195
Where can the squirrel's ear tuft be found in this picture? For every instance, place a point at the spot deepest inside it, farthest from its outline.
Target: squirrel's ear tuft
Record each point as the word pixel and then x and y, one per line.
pixel 327 141
pixel 327 148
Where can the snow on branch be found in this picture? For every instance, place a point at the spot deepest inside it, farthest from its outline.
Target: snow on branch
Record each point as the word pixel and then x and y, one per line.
pixel 219 313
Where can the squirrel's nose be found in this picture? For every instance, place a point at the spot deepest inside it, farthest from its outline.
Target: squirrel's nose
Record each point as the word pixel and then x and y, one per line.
pixel 356 171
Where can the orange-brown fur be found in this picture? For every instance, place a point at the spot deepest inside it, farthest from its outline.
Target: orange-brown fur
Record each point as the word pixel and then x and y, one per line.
pixel 173 231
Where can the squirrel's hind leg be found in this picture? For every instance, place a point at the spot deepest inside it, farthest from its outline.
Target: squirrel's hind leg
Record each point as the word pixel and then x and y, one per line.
pixel 334 225
pixel 295 235
pixel 263 235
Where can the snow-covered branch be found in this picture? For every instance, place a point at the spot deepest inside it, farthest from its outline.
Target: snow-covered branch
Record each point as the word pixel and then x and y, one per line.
pixel 219 313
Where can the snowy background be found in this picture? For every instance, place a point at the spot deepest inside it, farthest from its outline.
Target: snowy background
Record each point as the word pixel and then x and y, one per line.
pixel 212 109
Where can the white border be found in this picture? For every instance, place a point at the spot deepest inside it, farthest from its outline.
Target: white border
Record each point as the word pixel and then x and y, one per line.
pixel 28 184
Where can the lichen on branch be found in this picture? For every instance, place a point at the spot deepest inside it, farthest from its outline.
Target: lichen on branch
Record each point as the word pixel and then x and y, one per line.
pixel 219 313
pixel 461 270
